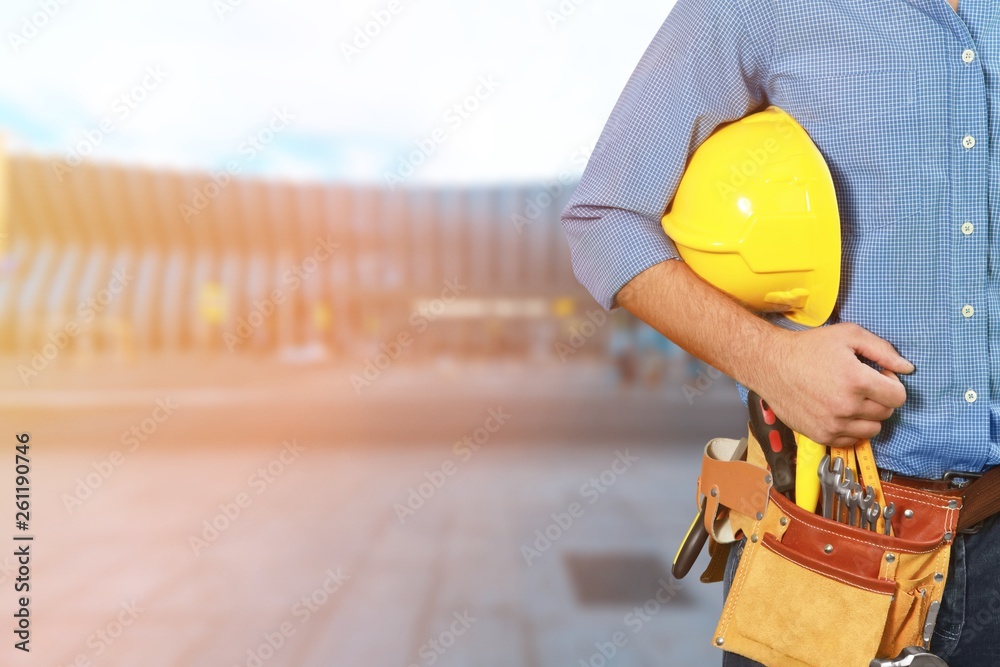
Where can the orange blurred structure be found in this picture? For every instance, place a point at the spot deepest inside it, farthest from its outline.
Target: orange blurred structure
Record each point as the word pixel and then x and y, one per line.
pixel 117 256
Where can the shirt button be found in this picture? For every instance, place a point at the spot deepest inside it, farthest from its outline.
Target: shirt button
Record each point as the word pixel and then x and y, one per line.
pixel 971 396
pixel 968 311
pixel 969 141
pixel 968 56
pixel 967 228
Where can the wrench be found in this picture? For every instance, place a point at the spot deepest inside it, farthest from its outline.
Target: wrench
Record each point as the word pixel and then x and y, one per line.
pixel 829 479
pixel 867 500
pixel 844 501
pixel 844 487
pixel 854 504
pixel 887 514
pixel 874 512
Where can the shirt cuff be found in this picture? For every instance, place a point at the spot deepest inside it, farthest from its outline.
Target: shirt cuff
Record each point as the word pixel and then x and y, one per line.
pixel 608 255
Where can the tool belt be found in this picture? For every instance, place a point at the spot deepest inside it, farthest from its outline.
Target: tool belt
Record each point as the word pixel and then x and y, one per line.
pixel 816 592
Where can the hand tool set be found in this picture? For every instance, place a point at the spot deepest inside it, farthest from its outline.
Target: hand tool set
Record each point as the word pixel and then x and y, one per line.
pixel 844 499
pixel 821 531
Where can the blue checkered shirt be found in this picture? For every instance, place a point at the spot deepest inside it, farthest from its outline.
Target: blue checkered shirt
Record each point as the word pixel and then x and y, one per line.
pixel 902 97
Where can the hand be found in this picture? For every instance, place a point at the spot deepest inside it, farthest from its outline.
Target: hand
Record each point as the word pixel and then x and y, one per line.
pixel 816 384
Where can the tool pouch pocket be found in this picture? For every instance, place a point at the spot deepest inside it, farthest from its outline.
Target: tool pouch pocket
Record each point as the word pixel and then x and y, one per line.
pixel 814 592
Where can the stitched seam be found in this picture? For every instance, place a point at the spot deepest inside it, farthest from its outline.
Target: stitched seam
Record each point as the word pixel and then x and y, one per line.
pixel 942 506
pixel 855 75
pixel 946 635
pixel 940 563
pixel 766 62
pixel 737 586
pixel 824 574
pixel 774 40
pixel 911 495
pixel 859 541
pixel 944 557
pixel 920 498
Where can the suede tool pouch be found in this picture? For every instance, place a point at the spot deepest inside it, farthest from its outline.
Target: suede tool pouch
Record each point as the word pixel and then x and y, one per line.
pixel 814 592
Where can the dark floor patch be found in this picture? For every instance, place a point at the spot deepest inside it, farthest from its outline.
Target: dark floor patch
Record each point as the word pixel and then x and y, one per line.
pixel 622 579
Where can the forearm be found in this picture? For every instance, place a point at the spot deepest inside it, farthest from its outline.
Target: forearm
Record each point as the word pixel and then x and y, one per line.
pixel 707 323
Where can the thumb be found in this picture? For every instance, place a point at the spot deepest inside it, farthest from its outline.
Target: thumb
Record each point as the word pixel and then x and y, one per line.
pixel 879 350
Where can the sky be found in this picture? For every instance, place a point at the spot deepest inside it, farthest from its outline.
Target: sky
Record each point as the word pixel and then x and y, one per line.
pixel 359 91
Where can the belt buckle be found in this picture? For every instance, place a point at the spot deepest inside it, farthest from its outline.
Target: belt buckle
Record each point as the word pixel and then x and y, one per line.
pixel 952 475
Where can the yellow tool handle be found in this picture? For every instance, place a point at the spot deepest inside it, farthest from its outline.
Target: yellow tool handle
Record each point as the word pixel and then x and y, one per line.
pixel 807 472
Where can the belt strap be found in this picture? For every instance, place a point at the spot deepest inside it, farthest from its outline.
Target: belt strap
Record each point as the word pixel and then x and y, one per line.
pixel 981 499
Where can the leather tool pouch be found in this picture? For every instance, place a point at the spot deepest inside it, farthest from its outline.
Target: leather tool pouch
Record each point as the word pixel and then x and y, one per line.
pixel 814 592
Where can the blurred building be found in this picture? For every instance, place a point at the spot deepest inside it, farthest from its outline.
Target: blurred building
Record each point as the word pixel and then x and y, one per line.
pixel 142 260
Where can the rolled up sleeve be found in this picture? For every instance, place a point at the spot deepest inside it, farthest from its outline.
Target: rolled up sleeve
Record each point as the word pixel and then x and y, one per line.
pixel 707 65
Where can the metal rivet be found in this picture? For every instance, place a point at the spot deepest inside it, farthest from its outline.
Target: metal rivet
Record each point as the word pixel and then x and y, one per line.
pixel 938 577
pixel 753 538
pixel 784 521
pixel 889 558
pixel 714 492
pixel 760 515
pixel 947 537
pixel 719 641
pixel 828 549
pixel 952 504
pixel 767 479
pixel 908 514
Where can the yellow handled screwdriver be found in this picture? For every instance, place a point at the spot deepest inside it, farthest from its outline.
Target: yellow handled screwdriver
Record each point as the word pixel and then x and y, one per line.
pixel 806 480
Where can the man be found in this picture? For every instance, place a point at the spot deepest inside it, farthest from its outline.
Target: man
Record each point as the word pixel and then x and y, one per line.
pixel 902 97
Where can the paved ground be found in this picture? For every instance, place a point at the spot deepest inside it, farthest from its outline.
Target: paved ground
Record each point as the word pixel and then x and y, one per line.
pixel 253 400
pixel 321 561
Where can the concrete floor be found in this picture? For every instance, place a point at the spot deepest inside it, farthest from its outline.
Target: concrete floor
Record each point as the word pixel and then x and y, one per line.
pixel 309 562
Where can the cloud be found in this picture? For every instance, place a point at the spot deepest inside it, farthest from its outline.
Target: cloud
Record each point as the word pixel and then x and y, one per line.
pixel 227 73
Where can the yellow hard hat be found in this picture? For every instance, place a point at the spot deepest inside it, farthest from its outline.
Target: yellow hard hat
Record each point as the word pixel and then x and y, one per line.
pixel 755 214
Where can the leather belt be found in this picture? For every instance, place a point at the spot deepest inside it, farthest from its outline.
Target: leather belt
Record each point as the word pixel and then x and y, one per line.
pixel 980 493
pixel 934 485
